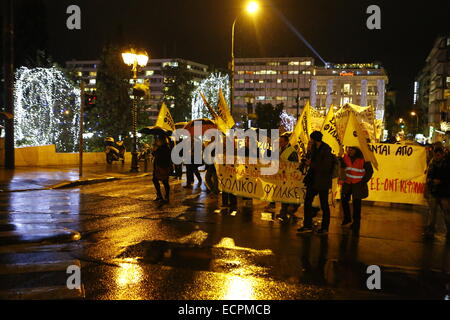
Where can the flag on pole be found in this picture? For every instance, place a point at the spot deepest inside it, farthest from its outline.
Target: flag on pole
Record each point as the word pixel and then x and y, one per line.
pixel 300 138
pixel 330 134
pixel 165 120
pixel 224 111
pixel 221 125
pixel 354 137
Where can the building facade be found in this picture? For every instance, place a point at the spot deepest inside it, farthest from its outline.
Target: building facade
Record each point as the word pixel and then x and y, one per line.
pixel 153 73
pixel 362 84
pixel 271 80
pixel 432 91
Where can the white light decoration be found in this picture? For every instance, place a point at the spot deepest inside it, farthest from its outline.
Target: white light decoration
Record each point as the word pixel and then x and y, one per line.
pixel 47 109
pixel 288 121
pixel 210 88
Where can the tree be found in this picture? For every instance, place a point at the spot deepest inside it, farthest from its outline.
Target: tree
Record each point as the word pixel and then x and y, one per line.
pixel 111 115
pixel 178 89
pixel 268 116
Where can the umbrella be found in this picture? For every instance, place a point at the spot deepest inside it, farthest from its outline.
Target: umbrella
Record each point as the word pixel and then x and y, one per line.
pixel 205 124
pixel 155 130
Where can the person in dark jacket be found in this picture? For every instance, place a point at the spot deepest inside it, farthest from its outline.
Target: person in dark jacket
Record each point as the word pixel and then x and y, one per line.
pixel 358 173
pixel 438 188
pixel 192 168
pixel 162 167
pixel 318 182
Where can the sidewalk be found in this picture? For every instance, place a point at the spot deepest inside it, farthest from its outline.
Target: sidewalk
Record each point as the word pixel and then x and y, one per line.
pixel 38 178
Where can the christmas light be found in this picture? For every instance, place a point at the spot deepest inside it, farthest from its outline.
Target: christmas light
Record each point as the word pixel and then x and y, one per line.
pixel 47 108
pixel 288 121
pixel 210 88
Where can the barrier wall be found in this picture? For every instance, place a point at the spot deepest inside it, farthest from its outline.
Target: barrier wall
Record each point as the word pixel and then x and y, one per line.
pixel 43 156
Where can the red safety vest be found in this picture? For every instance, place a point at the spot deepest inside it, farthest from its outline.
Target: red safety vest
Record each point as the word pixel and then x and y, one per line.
pixel 354 171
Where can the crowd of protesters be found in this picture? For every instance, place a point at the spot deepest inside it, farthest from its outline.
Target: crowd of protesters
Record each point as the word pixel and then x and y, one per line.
pixel 321 166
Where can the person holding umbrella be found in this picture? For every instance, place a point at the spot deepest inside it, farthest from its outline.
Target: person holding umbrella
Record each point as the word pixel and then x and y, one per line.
pixel 162 167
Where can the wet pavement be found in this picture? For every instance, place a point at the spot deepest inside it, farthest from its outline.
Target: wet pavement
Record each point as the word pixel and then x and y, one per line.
pixel 129 247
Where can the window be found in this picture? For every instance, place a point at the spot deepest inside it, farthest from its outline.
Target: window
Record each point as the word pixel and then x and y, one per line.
pixel 260 97
pixel 149 72
pixel 305 63
pixel 306 72
pixel 279 80
pixel 170 64
pixel 293 72
pixel 347 88
pixel 92 81
pixel 273 64
pixel 294 63
pixel 93 74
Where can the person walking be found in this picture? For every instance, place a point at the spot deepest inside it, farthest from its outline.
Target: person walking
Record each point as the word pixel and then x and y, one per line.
pixel 318 182
pixel 162 166
pixel 438 191
pixel 192 168
pixel 358 173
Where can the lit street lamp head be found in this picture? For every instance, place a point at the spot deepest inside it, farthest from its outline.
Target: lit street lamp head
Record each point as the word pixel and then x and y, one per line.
pixel 413 113
pixel 142 59
pixel 129 58
pixel 252 7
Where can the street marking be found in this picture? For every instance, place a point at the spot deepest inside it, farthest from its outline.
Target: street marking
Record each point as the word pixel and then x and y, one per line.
pixel 43 293
pixel 43 266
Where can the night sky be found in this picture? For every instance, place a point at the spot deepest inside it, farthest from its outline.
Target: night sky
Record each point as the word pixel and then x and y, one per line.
pixel 200 30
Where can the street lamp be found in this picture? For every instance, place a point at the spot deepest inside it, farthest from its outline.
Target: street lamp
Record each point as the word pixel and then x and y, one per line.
pixel 414 114
pixel 135 60
pixel 251 8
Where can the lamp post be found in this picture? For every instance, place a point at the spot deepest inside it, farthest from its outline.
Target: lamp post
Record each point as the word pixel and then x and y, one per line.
pixel 251 8
pixel 135 60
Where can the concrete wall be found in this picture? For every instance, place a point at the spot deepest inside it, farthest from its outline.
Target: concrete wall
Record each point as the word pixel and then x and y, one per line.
pixel 43 156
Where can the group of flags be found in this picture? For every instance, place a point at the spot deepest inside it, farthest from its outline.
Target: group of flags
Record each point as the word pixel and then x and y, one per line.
pixel 352 136
pixel 344 130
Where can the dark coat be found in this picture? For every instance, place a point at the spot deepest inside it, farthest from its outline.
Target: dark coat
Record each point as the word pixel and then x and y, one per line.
pixel 162 163
pixel 439 170
pixel 319 175
pixel 358 190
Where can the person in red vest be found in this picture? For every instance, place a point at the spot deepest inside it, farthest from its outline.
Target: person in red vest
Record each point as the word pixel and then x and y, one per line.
pixel 357 173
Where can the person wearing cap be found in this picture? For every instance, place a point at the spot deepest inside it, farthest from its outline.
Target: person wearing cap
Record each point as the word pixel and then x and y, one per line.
pixel 358 173
pixel 318 182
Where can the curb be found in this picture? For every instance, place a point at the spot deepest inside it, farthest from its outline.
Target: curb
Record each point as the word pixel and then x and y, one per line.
pixel 82 182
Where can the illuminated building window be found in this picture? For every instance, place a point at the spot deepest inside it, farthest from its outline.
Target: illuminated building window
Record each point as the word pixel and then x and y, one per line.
pixel 281 98
pixel 241 72
pixel 80 74
pixel 170 64
pixel 93 74
pixel 279 80
pixel 261 81
pixel 189 67
pixel 149 72
pixel 294 63
pixel 241 81
pixel 273 64
pixel 260 97
pixel 92 81
pixel 306 72
pixel 305 63
pixel 293 72
pixel 347 88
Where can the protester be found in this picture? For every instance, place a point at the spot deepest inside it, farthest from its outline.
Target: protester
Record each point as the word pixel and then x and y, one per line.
pixel 287 153
pixel 358 173
pixel 318 181
pixel 438 191
pixel 229 200
pixel 192 168
pixel 162 166
pixel 211 181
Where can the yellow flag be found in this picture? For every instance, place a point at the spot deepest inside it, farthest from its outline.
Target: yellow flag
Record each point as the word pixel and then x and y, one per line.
pixel 330 134
pixel 221 125
pixel 224 111
pixel 354 137
pixel 165 120
pixel 299 137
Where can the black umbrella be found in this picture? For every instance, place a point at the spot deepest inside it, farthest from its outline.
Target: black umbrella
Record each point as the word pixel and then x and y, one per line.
pixel 155 130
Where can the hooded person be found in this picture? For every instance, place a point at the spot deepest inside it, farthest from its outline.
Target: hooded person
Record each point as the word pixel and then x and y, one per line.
pixel 318 181
pixel 357 173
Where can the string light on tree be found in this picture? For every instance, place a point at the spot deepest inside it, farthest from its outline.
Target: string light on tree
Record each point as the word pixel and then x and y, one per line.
pixel 47 108
pixel 288 121
pixel 210 88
